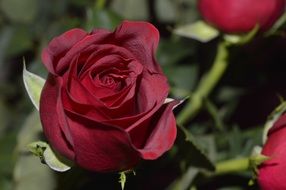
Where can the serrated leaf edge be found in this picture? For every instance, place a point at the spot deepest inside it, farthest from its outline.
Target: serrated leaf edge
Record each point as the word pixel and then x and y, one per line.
pixel 189 138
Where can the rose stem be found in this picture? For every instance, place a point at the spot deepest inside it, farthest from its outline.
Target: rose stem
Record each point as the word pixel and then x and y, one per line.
pixel 206 85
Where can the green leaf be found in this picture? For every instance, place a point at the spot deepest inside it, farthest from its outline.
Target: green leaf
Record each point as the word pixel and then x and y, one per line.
pixel 54 161
pixel 199 30
pixel 190 151
pixel 34 85
pixel 47 156
pixel 193 159
pixel 38 148
pixel 274 116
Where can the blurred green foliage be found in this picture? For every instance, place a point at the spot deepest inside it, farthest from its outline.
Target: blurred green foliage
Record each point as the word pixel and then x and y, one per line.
pixel 229 125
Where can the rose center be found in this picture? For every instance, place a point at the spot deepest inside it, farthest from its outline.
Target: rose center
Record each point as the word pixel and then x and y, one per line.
pixel 112 79
pixel 107 80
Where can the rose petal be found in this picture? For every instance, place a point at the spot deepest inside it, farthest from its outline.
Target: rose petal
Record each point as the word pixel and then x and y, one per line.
pixel 153 88
pixel 269 183
pixel 82 45
pixel 140 38
pixel 275 140
pixel 160 132
pixel 80 100
pixel 58 47
pixel 272 172
pixel 123 104
pixel 53 120
pixel 102 50
pixel 122 123
pixel 153 91
pixel 94 86
pixel 279 124
pixel 100 147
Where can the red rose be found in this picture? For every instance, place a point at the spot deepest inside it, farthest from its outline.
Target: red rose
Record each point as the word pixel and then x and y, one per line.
pixel 238 16
pixel 103 103
pixel 272 172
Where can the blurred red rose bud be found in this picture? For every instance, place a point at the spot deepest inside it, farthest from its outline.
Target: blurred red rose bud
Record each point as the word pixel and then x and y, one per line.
pixel 239 16
pixel 271 174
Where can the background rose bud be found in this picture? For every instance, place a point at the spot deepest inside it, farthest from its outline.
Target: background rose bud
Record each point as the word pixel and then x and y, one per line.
pixel 238 16
pixel 272 172
pixel 103 103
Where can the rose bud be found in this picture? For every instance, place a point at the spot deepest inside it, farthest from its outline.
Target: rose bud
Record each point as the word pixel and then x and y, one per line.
pixel 103 104
pixel 271 174
pixel 239 16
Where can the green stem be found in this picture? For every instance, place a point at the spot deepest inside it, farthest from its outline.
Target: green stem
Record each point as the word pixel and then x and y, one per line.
pixel 233 165
pixel 206 85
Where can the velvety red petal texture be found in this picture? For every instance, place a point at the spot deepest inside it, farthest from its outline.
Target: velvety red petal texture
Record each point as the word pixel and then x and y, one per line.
pixel 59 46
pixel 142 40
pixel 159 133
pixel 53 119
pixel 233 16
pixel 272 172
pixel 103 103
pixel 100 147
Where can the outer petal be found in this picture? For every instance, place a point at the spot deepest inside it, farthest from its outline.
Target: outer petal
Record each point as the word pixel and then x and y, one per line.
pixel 160 132
pixel 272 172
pixel 140 38
pixel 279 124
pixel 102 37
pixel 153 88
pixel 53 119
pixel 100 147
pixel 59 46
